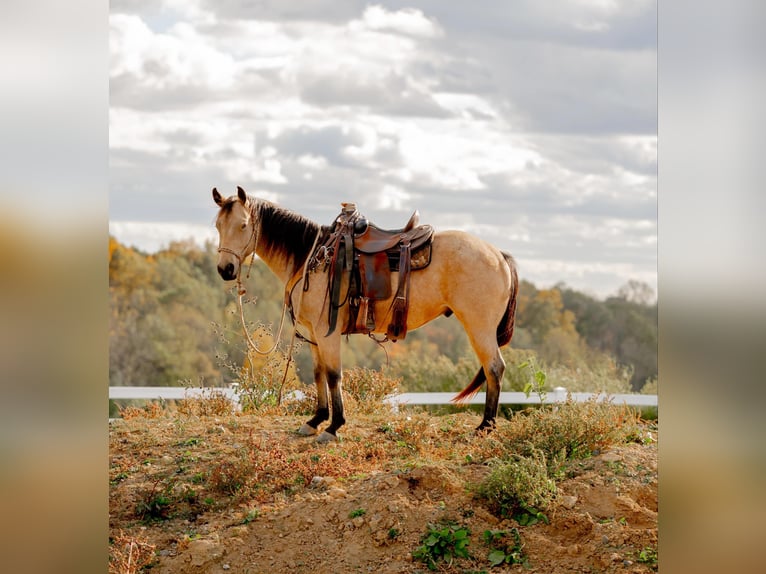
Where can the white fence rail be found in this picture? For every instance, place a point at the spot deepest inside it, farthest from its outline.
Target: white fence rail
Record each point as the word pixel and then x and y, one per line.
pixel 559 394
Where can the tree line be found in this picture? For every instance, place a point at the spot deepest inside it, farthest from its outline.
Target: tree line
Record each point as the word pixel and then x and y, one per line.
pixel 173 322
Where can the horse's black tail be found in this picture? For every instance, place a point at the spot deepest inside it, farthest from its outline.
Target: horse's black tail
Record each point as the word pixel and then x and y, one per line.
pixel 507 323
pixel 504 331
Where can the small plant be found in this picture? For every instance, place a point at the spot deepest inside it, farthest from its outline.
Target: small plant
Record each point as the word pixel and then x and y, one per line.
pixel 193 441
pixel 129 554
pixel 229 477
pixel 155 504
pixel 250 516
pixel 530 517
pixel 210 402
pixel 519 487
pixel 504 546
pixel 648 556
pixel 151 410
pixel 356 513
pixel 393 533
pixel 445 541
pixel 537 382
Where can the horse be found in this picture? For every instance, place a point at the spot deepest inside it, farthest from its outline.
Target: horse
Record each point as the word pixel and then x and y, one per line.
pixel 467 277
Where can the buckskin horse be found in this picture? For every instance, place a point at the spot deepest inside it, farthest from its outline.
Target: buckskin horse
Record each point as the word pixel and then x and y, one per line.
pixel 328 296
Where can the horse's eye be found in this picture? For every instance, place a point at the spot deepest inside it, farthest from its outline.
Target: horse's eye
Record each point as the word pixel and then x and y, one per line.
pixel 243 226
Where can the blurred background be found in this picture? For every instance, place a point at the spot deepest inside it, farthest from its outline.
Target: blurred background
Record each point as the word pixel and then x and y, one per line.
pixel 55 293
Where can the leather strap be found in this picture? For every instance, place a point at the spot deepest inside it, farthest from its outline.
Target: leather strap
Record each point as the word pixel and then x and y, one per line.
pixel 397 329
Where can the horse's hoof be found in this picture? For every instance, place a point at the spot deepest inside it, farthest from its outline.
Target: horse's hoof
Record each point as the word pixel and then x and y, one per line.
pixel 485 428
pixel 307 430
pixel 326 437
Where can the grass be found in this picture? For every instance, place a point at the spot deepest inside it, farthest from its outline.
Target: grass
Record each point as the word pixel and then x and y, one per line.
pixel 211 459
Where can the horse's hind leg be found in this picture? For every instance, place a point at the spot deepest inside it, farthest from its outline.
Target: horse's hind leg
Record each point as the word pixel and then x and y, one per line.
pixel 494 369
pixel 311 427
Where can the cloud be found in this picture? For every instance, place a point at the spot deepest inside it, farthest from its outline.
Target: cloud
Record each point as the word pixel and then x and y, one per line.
pixel 532 125
pixel 408 21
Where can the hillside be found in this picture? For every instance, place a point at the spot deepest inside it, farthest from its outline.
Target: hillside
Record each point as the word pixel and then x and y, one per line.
pixel 207 491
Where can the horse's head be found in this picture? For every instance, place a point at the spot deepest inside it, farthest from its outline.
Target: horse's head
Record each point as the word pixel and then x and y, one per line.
pixel 236 232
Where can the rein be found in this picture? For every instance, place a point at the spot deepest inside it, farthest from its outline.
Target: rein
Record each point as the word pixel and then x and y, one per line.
pixel 241 291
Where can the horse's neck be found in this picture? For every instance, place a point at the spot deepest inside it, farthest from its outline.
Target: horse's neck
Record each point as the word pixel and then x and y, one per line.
pixel 281 267
pixel 281 261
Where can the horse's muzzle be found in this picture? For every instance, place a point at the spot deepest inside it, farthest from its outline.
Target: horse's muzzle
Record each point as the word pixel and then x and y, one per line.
pixel 228 272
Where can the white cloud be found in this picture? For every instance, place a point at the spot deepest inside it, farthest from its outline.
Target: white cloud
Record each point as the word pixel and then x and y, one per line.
pixel 153 236
pixel 181 57
pixel 526 130
pixel 394 198
pixel 456 155
pixel 407 21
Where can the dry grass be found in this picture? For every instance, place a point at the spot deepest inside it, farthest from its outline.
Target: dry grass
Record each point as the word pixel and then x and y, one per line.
pixel 129 554
pixel 204 458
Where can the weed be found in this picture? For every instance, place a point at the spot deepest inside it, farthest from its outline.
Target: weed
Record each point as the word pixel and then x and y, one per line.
pixel 268 382
pixel 155 505
pixel 193 441
pixel 365 390
pixel 570 431
pixel 520 485
pixel 118 478
pixel 250 516
pixel 445 541
pixel 393 533
pixel 129 554
pixel 648 556
pixel 537 378
pixel 151 410
pixel 356 513
pixel 211 402
pixel 229 477
pixel 198 478
pixel 530 517
pixel 505 547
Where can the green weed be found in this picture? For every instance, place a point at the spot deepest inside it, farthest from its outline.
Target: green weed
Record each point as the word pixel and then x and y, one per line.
pixel 505 547
pixel 519 486
pixel 445 541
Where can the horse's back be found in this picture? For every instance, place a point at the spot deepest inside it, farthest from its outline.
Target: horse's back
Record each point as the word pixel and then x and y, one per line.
pixel 467 275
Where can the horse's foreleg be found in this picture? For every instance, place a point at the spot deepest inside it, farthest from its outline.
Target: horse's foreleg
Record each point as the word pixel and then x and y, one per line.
pixel 338 420
pixel 311 427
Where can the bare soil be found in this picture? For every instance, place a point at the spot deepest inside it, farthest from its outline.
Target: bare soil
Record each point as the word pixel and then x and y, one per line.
pixel 245 494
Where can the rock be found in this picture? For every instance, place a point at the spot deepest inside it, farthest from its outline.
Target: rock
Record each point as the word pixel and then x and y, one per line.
pixel 611 457
pixel 322 482
pixel 568 501
pixel 203 551
pixel 336 492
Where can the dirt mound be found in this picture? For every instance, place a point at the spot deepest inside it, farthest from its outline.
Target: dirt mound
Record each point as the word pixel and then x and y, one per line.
pixel 604 518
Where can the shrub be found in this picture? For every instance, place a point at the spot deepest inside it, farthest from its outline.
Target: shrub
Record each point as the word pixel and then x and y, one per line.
pixel 365 390
pixel 519 485
pixel 566 431
pixel 129 554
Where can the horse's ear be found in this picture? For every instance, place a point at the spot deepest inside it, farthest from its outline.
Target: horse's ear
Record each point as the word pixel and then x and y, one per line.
pixel 242 195
pixel 217 198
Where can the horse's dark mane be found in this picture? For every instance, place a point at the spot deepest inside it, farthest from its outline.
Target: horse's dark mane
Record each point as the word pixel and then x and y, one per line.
pixel 284 232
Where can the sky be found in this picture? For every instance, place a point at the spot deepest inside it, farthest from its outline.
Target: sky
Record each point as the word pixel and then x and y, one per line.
pixel 530 124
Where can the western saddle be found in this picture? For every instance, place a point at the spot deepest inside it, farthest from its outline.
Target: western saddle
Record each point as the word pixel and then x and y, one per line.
pixel 368 255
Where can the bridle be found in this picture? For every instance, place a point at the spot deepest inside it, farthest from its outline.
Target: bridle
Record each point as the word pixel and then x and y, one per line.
pixel 241 255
